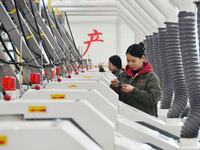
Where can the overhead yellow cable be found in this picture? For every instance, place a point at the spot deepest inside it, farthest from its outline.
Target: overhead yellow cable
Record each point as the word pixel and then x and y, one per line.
pixel 56 10
pixel 37 1
pixel 62 15
pixel 49 5
pixel 29 36
pixel 42 34
pixel 12 11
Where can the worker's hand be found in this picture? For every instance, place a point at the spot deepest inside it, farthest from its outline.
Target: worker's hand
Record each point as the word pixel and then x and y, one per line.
pixel 115 83
pixel 127 88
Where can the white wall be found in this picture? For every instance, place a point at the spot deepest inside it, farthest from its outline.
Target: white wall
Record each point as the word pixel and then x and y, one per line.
pixel 126 38
pixel 116 35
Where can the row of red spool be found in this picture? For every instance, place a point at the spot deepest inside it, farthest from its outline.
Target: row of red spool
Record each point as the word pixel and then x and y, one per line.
pixel 9 82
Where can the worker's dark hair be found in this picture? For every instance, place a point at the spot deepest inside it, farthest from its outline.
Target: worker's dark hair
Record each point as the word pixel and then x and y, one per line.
pixel 116 61
pixel 136 50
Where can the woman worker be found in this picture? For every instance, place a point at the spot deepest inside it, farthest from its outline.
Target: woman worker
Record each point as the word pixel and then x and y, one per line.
pixel 138 85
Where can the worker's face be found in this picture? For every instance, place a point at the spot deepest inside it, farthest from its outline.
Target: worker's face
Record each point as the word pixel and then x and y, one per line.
pixel 135 63
pixel 111 67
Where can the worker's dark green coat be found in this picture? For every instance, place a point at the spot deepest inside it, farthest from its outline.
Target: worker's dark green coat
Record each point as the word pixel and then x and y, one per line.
pixel 146 91
pixel 117 72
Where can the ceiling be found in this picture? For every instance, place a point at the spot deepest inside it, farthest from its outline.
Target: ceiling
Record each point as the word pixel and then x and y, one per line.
pixel 143 16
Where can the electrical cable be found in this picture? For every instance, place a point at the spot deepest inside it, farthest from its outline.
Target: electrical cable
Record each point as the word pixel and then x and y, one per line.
pixel 38 30
pixel 8 53
pixel 71 34
pixel 22 29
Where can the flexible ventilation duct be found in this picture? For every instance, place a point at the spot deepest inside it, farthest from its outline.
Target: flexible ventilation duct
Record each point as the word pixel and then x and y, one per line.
pixel 153 54
pixel 175 68
pixel 156 55
pixel 149 49
pixel 167 84
pixel 191 71
pixel 198 22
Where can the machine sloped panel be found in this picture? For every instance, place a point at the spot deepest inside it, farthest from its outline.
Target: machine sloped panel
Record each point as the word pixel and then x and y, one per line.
pixel 15 37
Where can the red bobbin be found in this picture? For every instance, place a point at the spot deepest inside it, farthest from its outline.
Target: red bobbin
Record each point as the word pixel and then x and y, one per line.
pixel 35 78
pixel 9 83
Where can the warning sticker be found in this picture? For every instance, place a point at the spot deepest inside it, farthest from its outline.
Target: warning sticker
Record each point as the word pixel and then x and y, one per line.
pixel 3 140
pixel 58 96
pixel 72 86
pixel 37 109
pixel 87 77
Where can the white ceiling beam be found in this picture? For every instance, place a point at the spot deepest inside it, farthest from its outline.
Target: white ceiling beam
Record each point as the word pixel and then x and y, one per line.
pixel 88 9
pixel 73 3
pixel 184 5
pixel 166 9
pixel 91 13
pixel 133 27
pixel 141 11
pixel 152 11
pixel 138 16
pixel 91 19
pixel 132 18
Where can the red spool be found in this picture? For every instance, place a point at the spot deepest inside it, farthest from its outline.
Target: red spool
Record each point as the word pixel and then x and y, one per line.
pixel 52 74
pixel 35 78
pixel 68 69
pixel 9 83
pixel 46 73
pixel 74 67
pixel 57 71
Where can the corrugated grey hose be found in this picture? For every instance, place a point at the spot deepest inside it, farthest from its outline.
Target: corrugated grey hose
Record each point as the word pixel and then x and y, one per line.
pixel 191 71
pixel 152 50
pixel 167 84
pixel 175 67
pixel 149 45
pixel 156 56
pixel 198 22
